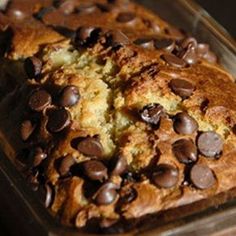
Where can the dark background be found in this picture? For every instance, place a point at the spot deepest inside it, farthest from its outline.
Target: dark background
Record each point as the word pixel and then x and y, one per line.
pixel 224 11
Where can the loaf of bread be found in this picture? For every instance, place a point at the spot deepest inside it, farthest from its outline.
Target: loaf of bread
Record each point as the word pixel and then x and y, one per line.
pixel 110 113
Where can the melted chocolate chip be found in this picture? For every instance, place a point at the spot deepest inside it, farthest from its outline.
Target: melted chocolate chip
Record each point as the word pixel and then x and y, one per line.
pixel 189 55
pixel 58 120
pixel 189 42
pixel 125 17
pixel 147 43
pixel 27 128
pixel 152 113
pixel 185 124
pixel 33 67
pixel 95 170
pixel 39 156
pixel 39 100
pixel 120 166
pixel 86 35
pixel 106 194
pixel 165 176
pixel 166 44
pixel 210 144
pixel 182 88
pixel 69 96
pixel 185 151
pixel 90 147
pixel 65 165
pixel 202 176
pixel 129 196
pixel 174 60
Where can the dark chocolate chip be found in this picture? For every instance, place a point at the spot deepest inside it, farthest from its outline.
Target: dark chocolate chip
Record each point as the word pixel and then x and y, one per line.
pixel 65 165
pixel 120 166
pixel 189 42
pixel 152 113
pixel 182 88
pixel 174 60
pixel 210 144
pixel 106 194
pixel 117 39
pixel 39 156
pixel 165 176
pixel 166 44
pixel 202 176
pixel 147 43
pixel 27 128
pixel 86 35
pixel 95 170
pixel 202 49
pixel 184 123
pixel 125 17
pixel 39 100
pixel 5 40
pixel 58 120
pixel 189 55
pixel 90 147
pixel 33 67
pixel 69 96
pixel 185 151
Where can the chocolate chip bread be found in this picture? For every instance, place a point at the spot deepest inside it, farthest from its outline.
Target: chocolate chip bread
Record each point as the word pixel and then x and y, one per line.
pixel 110 113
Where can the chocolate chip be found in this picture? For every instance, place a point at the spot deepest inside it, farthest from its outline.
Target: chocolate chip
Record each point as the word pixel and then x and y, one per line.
pixel 65 165
pixel 184 123
pixel 120 166
pixel 69 96
pixel 95 170
pixel 27 128
pixel 125 17
pixel 210 144
pixel 174 60
pixel 185 151
pixel 129 195
pixel 116 39
pixel 39 156
pixel 202 176
pixel 189 55
pixel 210 57
pixel 166 44
pixel 106 194
pixel 33 67
pixel 58 120
pixel 86 35
pixel 189 42
pixel 202 49
pixel 147 43
pixel 152 113
pixel 90 147
pixel 39 100
pixel 182 88
pixel 165 176
pixel 5 40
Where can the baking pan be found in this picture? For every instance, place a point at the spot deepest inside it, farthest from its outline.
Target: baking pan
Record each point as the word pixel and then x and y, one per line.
pixel 23 214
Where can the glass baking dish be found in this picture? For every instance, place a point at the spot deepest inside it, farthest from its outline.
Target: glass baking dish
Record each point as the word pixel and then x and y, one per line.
pixel 24 214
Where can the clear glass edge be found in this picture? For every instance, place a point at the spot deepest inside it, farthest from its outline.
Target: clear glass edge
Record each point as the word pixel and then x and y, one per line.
pixel 52 226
